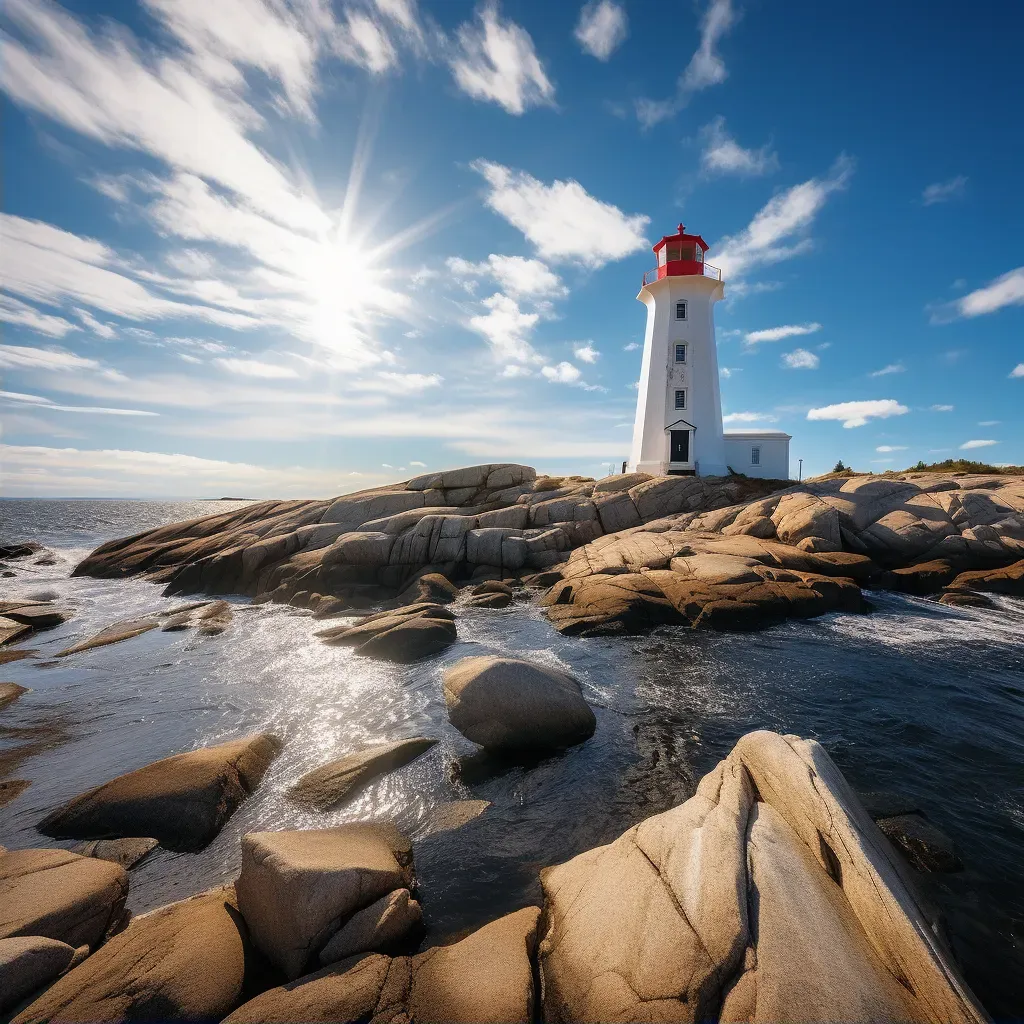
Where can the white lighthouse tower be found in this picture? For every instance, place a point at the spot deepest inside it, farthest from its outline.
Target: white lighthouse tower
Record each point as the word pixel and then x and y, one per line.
pixel 678 427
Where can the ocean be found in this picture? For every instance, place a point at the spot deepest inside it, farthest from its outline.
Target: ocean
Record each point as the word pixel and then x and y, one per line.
pixel 917 698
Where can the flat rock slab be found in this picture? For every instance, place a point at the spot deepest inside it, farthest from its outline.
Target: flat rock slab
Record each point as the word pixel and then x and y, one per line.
pixel 297 888
pixel 189 961
pixel 1009 581
pixel 126 852
pixel 112 635
pixel 9 693
pixel 28 963
pixel 38 616
pixel 507 704
pixel 59 895
pixel 333 783
pixel 181 801
pixel 375 928
pixel 489 600
pixel 11 789
pixel 487 978
pixel 11 631
pixel 403 635
pixel 452 815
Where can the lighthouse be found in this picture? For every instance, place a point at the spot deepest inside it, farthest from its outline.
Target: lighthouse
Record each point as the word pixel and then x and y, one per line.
pixel 678 427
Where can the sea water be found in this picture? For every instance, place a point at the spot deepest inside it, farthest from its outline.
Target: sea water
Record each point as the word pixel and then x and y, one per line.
pixel 917 698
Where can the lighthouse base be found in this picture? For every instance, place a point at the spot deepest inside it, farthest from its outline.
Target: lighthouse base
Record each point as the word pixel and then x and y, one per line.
pixel 675 469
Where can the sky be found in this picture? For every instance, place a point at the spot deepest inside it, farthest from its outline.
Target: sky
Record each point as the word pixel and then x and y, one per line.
pixel 303 247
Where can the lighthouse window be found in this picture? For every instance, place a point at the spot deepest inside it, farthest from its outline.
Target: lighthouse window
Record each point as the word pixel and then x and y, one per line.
pixel 680 310
pixel 755 456
pixel 680 351
pixel 681 399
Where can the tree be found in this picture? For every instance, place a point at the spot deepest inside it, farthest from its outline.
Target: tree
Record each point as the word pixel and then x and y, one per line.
pixel 839 467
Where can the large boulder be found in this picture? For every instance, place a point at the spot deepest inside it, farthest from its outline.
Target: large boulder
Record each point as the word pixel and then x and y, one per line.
pixel 189 961
pixel 509 704
pixel 9 693
pixel 125 852
pixel 60 895
pixel 296 889
pixel 341 780
pixel 769 895
pixel 183 801
pixel 1009 581
pixel 486 978
pixel 28 963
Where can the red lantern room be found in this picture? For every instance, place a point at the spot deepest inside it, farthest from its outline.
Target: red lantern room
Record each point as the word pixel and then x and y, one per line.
pixel 681 255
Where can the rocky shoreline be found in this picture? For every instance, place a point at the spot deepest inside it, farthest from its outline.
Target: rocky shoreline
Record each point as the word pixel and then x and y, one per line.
pixel 770 894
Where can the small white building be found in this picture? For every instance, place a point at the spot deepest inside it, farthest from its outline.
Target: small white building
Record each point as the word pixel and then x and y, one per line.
pixel 678 427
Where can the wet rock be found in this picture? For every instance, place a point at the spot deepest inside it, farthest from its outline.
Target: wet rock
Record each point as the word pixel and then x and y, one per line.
pixel 10 692
pixel 508 704
pixel 125 852
pixel 214 619
pixel 431 588
pixel 59 895
pixel 182 801
pixel 188 961
pixel 377 927
pixel 1009 581
pixel 403 635
pixel 11 789
pixel 487 977
pixel 924 578
pixel 453 814
pixel 297 888
pixel 38 616
pixel 965 599
pixel 8 656
pixel 11 631
pixel 926 847
pixel 29 962
pixel 768 895
pixel 491 599
pixel 19 550
pixel 341 780
pixel 884 803
pixel 112 635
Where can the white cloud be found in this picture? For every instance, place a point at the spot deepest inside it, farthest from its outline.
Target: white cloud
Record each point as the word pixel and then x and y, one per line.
pixel 45 404
pixel 988 423
pixel 418 465
pixel 942 408
pixel 602 28
pixel 103 330
pixel 563 373
pixel 891 448
pixel 778 333
pixel 891 368
pixel 801 359
pixel 507 328
pixel 1018 370
pixel 41 470
pixel 14 311
pixel 585 352
pixel 706 67
pixel 18 357
pixel 631 347
pixel 750 417
pixel 722 154
pixel 1007 290
pixel 726 371
pixel 496 62
pixel 968 445
pixel 944 191
pixel 362 41
pixel 408 383
pixel 516 275
pixel 562 220
pixel 857 414
pixel 768 238
pixel 255 368
pixel 513 370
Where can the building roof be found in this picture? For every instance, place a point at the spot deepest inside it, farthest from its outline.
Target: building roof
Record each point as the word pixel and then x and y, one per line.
pixel 763 434
pixel 681 236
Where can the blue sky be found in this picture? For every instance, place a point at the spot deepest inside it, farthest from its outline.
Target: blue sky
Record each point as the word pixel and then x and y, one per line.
pixel 299 248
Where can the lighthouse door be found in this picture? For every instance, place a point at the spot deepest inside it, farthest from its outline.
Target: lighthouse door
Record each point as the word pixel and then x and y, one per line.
pixel 680 446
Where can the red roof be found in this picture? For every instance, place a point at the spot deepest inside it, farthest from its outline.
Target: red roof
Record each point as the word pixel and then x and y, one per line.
pixel 681 236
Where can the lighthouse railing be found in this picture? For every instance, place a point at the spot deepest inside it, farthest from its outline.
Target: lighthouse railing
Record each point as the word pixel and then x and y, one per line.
pixel 705 269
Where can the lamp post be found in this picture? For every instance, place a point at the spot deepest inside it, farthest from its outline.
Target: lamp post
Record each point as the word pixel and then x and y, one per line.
pixel 800 477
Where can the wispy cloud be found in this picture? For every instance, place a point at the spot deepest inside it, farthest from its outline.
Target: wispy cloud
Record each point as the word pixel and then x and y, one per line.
pixel 45 404
pixel 801 359
pixel 1018 370
pixel 944 191
pixel 891 368
pixel 256 368
pixel 1006 290
pixel 722 154
pixel 942 408
pixel 778 333
pixel 496 62
pixel 857 414
pixel 517 276
pixel 22 357
pixel 891 448
pixel 564 222
pixel 968 445
pixel 602 28
pixel 14 311
pixel 779 229
pixel 750 417
pixel 706 67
